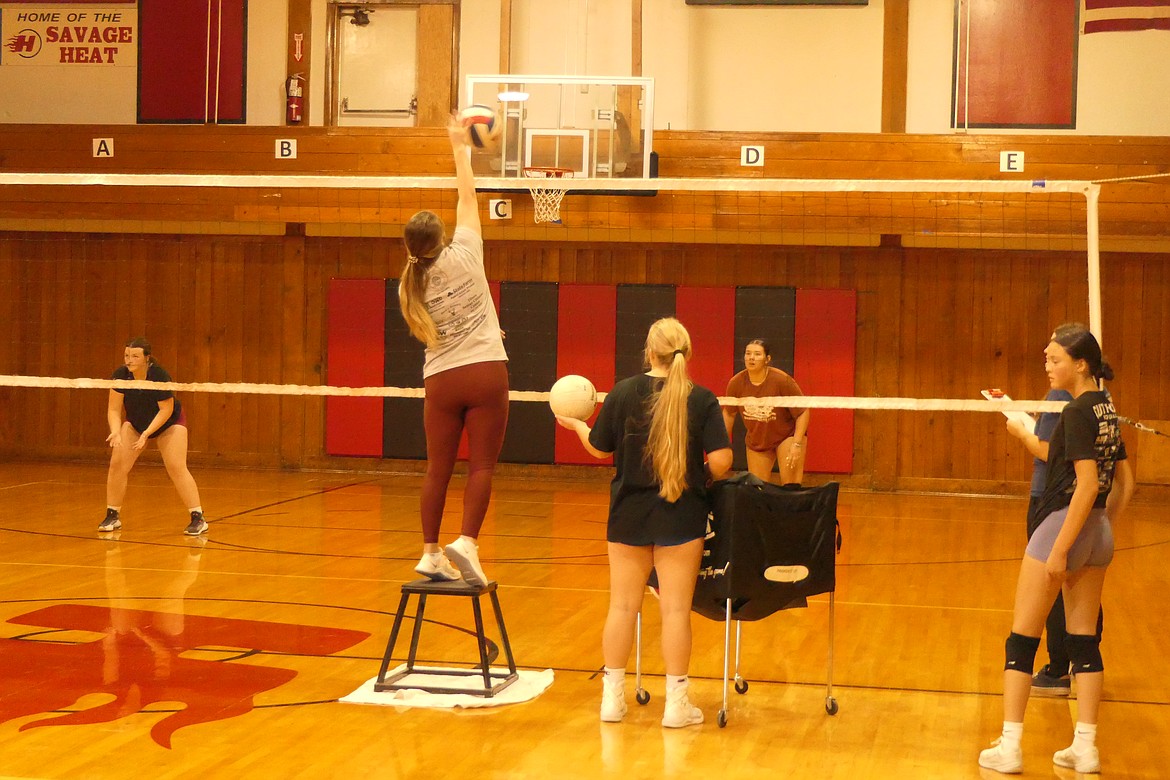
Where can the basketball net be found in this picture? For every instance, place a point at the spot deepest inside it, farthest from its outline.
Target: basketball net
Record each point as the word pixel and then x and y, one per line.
pixel 546 200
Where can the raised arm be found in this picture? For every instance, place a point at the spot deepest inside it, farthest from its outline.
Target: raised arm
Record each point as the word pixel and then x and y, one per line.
pixel 467 209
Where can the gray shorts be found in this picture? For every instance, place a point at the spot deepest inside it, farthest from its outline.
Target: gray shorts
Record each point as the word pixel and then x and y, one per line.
pixel 1093 546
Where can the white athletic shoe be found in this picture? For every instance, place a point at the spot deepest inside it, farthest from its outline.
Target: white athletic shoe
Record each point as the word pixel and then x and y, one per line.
pixel 437 567
pixel 1086 763
pixel 679 711
pixel 1001 759
pixel 613 702
pixel 465 555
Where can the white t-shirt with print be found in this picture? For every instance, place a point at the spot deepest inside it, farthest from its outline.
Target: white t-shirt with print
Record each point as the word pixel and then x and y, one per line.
pixel 460 303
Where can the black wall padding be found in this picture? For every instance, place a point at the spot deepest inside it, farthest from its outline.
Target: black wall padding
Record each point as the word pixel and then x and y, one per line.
pixel 528 316
pixel 402 426
pixel 638 306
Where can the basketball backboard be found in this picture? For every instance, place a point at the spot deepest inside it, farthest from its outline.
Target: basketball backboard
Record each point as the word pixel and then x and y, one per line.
pixel 596 126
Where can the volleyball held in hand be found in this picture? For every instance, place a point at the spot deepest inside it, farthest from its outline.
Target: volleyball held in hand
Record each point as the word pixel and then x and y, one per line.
pixel 573 396
pixel 483 128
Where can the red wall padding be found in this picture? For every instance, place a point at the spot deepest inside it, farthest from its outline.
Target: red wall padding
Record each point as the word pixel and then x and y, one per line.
pixel 586 334
pixel 826 325
pixel 709 316
pixel 355 357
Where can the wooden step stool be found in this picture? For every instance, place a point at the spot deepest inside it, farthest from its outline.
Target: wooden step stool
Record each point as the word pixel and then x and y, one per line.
pixel 423 588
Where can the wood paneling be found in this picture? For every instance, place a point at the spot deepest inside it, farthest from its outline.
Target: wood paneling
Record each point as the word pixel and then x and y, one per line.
pixel 931 323
pixel 1130 212
pixel 955 293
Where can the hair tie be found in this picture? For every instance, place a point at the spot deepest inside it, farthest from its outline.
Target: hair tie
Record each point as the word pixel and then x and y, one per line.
pixel 411 258
pixel 679 352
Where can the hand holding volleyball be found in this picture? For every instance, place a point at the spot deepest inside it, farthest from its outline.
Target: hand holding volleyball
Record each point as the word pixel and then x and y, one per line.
pixel 482 127
pixel 573 396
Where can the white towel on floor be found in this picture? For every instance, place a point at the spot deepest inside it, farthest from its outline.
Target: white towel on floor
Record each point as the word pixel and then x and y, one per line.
pixel 528 686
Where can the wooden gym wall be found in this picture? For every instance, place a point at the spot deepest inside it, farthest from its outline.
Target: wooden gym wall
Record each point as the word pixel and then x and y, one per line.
pixel 932 322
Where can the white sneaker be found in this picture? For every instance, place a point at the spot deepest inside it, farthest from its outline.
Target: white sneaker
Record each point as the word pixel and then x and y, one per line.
pixel 1000 758
pixel 437 567
pixel 465 555
pixel 613 702
pixel 1086 763
pixel 679 711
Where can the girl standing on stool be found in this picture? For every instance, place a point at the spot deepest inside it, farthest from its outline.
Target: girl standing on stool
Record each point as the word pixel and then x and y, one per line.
pixel 657 425
pixel 773 432
pixel 149 414
pixel 447 305
pixel 1088 483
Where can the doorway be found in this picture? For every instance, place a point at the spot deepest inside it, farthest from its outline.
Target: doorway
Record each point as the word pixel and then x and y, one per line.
pixel 391 63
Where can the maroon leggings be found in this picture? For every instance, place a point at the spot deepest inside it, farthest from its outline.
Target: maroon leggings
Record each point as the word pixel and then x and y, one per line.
pixel 474 397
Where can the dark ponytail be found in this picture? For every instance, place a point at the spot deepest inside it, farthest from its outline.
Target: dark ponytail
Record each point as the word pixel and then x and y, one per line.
pixel 1080 344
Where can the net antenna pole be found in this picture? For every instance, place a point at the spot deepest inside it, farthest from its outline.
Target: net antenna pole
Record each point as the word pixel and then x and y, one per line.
pixel 1092 236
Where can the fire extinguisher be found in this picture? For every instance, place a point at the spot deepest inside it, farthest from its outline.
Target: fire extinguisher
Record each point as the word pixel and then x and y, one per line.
pixel 296 100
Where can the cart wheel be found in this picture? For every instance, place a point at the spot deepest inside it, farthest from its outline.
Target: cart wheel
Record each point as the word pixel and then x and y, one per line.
pixel 642 696
pixel 831 705
pixel 722 719
pixel 741 685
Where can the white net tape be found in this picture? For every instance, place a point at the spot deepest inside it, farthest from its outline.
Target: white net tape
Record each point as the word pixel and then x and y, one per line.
pixel 804 402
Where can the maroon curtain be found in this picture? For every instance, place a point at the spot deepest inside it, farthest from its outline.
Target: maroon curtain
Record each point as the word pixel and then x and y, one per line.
pixel 1021 60
pixel 191 61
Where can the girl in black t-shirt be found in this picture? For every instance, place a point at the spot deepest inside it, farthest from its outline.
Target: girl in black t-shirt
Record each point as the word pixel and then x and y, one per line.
pixel 149 414
pixel 1088 482
pixel 657 426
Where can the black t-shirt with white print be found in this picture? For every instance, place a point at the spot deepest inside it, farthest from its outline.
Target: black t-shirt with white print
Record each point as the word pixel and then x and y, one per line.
pixel 1088 429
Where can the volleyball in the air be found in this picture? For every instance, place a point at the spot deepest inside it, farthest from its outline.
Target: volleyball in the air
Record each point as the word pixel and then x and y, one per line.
pixel 573 396
pixel 483 129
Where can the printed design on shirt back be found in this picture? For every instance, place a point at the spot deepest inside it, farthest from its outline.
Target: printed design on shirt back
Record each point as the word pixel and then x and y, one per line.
pixel 1107 443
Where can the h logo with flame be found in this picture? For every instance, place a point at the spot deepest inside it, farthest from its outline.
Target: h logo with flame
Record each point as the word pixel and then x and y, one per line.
pixel 26 43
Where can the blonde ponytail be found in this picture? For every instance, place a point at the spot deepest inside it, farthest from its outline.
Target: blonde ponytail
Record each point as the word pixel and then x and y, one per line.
pixel 423 236
pixel 668 344
pixel 411 294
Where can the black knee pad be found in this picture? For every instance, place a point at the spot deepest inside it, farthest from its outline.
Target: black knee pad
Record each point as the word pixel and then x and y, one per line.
pixel 1020 653
pixel 1084 652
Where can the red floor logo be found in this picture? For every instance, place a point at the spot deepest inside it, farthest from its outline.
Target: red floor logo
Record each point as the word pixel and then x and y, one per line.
pixel 26 43
pixel 139 662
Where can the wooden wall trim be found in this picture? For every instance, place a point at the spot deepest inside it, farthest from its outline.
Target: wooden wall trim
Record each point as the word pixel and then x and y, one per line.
pixel 895 64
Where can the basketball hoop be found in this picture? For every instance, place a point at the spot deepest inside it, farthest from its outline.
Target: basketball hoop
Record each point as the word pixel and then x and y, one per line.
pixel 546 198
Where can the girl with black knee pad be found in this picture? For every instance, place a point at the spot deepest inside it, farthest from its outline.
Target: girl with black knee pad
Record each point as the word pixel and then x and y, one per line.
pixel 1088 482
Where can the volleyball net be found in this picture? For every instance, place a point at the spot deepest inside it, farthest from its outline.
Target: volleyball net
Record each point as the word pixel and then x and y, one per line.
pixel 201 266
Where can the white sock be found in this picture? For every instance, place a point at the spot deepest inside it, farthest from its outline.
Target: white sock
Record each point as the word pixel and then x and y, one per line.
pixel 1012 734
pixel 674 682
pixel 1084 737
pixel 614 677
pixel 115 508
